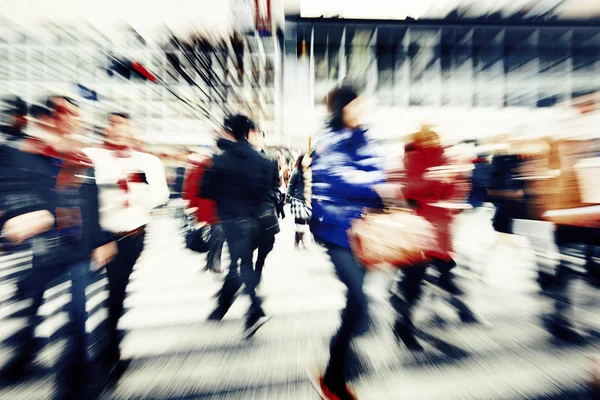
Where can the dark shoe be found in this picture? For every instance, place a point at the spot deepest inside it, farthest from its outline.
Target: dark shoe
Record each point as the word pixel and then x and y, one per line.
pixel 217 315
pixel 562 329
pixel 254 324
pixel 546 281
pixel 16 369
pixel 468 317
pixel 13 374
pixel 446 282
pixel 118 370
pixel 406 335
pixel 464 312
pixel 78 386
pixel 301 239
pixel 297 240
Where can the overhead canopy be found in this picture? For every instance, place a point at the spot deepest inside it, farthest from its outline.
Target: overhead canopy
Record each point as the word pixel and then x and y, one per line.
pixel 434 9
pixel 149 19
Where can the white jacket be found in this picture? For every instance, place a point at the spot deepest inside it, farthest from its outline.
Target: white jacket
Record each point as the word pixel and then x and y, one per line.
pixel 125 210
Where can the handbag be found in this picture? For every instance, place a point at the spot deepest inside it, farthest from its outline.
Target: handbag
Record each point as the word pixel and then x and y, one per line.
pixel 398 237
pixel 300 209
pixel 197 236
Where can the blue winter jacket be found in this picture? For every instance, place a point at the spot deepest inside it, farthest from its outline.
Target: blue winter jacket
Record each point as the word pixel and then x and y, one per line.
pixel 344 170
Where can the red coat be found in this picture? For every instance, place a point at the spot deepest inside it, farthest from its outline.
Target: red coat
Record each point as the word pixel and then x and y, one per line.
pixel 426 192
pixel 207 209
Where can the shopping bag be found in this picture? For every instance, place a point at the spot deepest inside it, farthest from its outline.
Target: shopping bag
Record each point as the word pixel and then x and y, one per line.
pixel 398 237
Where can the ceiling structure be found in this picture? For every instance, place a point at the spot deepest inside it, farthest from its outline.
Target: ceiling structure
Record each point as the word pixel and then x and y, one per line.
pixel 439 9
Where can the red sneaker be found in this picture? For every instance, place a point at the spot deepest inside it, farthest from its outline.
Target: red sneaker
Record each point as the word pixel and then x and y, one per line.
pixel 329 395
pixel 326 394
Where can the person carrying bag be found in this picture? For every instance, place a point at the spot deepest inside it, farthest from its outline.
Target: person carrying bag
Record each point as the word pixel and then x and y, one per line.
pixel 299 194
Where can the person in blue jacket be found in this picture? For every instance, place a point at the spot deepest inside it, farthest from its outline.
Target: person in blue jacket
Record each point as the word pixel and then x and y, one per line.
pixel 346 174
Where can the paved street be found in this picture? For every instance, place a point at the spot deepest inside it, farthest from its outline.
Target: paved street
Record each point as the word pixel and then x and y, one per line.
pixel 175 354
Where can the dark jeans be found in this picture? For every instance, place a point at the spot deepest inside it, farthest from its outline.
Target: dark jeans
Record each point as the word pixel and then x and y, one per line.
pixel 354 316
pixel 241 235
pixel 215 244
pixel 564 275
pixel 410 287
pixel 265 245
pixel 118 272
pixel 72 366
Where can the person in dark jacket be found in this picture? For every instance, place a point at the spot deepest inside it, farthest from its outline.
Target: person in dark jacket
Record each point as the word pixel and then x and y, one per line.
pixel 60 180
pixel 268 216
pixel 299 194
pixel 239 180
pixel 19 203
pixel 345 176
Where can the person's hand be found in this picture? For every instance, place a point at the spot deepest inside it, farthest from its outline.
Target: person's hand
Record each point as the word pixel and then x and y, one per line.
pixel 442 174
pixel 25 226
pixel 103 255
pixel 190 211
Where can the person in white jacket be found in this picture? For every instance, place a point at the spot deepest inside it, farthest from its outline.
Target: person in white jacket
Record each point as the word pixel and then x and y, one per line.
pixel 130 184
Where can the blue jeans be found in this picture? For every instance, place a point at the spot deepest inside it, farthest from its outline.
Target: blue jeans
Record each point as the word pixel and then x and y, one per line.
pixel 241 235
pixel 72 365
pixel 354 317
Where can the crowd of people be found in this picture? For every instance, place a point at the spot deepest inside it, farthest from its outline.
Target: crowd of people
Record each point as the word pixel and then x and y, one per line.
pixel 79 209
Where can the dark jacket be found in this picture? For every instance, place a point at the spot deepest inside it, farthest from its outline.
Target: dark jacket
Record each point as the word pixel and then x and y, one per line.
pixel 268 215
pixel 296 188
pixel 76 231
pixel 274 195
pixel 503 174
pixel 480 182
pixel 344 170
pixel 17 195
pixel 239 180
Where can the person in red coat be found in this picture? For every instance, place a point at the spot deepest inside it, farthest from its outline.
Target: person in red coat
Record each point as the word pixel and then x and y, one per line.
pixel 205 210
pixel 429 189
